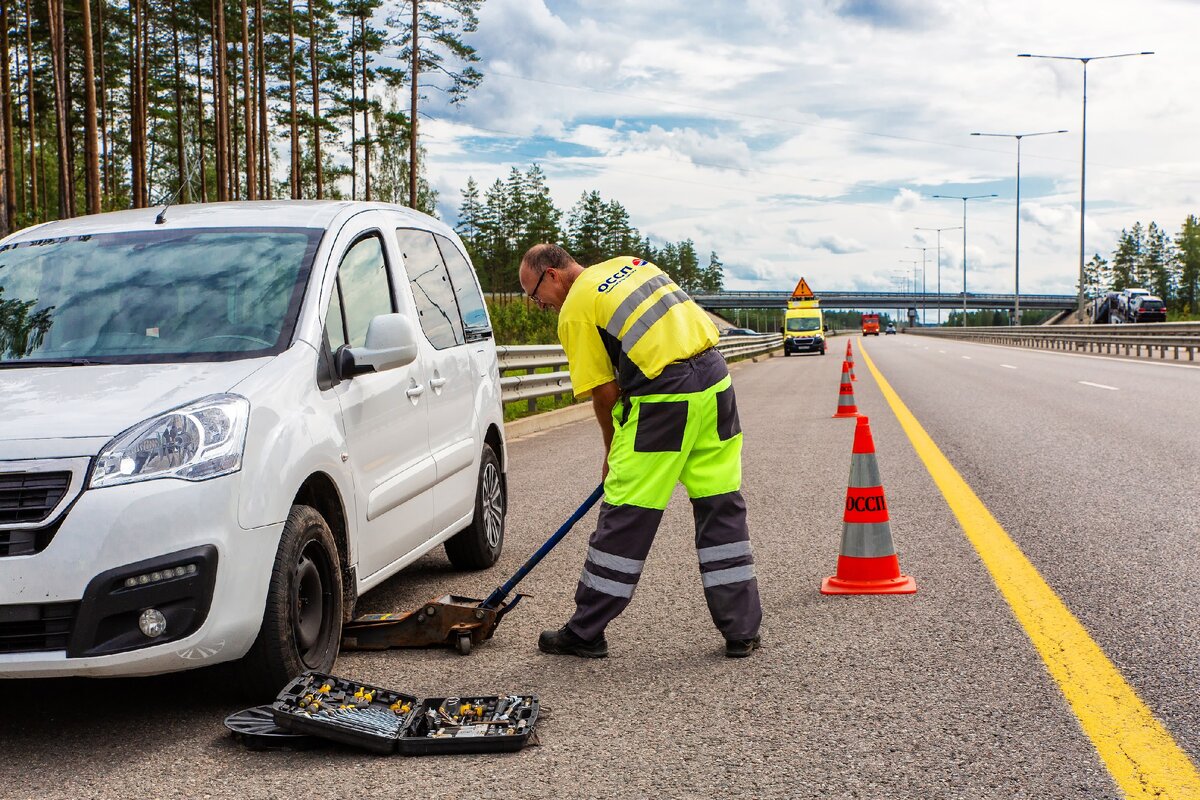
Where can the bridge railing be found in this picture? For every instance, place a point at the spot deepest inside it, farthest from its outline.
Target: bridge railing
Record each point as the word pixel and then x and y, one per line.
pixel 532 358
pixel 1130 340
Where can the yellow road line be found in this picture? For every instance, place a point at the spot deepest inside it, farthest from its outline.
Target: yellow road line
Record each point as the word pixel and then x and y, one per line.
pixel 1139 752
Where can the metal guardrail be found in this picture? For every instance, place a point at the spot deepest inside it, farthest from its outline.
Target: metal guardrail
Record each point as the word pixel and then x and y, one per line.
pixel 534 384
pixel 1129 340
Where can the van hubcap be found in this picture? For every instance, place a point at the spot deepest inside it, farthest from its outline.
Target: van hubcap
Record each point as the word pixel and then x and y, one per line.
pixel 493 505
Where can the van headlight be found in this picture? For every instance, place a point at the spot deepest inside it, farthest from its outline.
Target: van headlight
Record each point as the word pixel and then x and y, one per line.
pixel 201 440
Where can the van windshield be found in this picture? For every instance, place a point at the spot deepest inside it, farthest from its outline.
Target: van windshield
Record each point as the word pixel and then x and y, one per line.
pixel 152 296
pixel 797 324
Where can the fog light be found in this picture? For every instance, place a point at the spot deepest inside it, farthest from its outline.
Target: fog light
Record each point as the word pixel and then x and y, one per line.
pixel 152 623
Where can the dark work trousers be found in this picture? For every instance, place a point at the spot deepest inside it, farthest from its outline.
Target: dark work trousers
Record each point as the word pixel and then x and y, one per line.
pixel 681 427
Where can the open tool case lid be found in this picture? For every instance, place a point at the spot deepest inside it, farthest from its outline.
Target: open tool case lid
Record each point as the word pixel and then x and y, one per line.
pixel 386 721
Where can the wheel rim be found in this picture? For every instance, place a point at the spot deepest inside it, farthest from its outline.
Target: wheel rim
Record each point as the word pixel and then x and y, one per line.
pixel 493 505
pixel 311 603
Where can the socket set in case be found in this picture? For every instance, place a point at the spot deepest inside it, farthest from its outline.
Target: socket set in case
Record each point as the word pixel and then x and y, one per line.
pixel 385 721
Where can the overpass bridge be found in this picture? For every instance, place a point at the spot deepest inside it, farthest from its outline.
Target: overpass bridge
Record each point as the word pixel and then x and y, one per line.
pixel 854 299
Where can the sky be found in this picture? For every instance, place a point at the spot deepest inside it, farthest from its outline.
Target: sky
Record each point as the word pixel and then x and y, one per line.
pixel 806 138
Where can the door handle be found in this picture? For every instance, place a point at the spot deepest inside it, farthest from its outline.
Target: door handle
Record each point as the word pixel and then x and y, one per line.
pixel 415 391
pixel 437 383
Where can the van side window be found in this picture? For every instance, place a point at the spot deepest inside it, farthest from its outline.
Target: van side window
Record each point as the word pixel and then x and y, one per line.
pixel 432 290
pixel 362 293
pixel 466 289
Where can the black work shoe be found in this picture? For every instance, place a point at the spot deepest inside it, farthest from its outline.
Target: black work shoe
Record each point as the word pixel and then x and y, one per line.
pixel 564 642
pixel 740 648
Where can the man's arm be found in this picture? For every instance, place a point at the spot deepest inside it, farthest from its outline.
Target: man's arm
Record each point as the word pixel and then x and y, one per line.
pixel 604 398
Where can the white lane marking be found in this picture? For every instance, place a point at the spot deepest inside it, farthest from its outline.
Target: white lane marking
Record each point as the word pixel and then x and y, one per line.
pixel 1144 361
pixel 1008 366
pixel 941 351
pixel 968 358
pixel 1100 386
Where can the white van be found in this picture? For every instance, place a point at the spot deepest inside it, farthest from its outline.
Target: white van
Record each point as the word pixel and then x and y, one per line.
pixel 219 428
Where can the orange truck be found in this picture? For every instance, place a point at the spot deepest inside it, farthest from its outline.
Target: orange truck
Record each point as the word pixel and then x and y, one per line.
pixel 870 324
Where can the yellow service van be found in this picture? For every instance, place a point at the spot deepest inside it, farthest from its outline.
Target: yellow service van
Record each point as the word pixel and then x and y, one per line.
pixel 803 326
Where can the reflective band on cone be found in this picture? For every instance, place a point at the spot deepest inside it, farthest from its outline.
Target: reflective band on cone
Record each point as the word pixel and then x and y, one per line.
pixel 867 563
pixel 846 406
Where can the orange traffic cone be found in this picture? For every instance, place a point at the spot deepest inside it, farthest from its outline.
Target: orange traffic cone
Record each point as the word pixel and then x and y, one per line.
pixel 846 406
pixel 867 563
pixel 850 361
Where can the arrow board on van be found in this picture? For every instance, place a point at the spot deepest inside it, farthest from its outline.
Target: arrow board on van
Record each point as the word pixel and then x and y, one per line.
pixel 802 292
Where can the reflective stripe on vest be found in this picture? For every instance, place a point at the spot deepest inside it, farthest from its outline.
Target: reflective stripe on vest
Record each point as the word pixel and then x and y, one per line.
pixel 651 315
pixel 635 299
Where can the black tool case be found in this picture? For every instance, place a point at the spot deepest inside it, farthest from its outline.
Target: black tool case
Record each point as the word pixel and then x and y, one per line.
pixel 362 715
pixel 349 712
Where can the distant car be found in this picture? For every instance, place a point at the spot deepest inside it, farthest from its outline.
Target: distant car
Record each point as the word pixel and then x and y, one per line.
pixel 891 328
pixel 1147 308
pixel 739 332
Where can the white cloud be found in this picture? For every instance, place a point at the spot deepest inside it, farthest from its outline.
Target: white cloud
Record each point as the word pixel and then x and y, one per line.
pixel 821 125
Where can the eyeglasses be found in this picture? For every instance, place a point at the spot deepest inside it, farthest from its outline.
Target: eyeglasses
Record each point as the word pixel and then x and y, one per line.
pixel 533 295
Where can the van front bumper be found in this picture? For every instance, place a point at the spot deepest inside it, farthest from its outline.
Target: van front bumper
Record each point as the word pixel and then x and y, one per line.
pixel 804 345
pixel 169 545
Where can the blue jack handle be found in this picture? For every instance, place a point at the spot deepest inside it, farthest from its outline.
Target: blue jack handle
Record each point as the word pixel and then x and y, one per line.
pixel 501 592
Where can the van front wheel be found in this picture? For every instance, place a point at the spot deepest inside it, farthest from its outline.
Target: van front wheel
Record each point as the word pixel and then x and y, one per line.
pixel 479 544
pixel 302 622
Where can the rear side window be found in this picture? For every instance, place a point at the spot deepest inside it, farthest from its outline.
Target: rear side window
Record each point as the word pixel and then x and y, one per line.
pixel 432 290
pixel 363 292
pixel 466 288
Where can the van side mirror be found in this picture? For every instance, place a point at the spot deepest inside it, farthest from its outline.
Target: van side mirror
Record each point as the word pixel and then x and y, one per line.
pixel 391 343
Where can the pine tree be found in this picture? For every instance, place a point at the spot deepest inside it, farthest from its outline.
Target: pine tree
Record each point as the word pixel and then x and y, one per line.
pixel 1126 257
pixel 689 276
pixel 586 228
pixel 714 274
pixel 1188 245
pixel 1159 263
pixel 542 218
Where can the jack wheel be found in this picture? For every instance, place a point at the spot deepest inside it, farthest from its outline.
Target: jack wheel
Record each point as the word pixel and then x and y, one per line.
pixel 464 644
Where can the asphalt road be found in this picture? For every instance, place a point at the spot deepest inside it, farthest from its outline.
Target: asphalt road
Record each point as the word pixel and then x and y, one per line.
pixel 933 695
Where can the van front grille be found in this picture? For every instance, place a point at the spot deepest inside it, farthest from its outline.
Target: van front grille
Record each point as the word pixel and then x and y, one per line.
pixel 30 496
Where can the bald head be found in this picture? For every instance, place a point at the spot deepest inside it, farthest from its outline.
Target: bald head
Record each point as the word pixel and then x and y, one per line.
pixel 546 274
pixel 542 257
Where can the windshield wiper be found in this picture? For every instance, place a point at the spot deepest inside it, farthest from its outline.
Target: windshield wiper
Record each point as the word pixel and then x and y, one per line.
pixel 47 362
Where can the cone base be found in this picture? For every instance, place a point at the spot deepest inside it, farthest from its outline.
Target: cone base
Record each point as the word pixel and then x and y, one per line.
pixel 901 585
pixel 879 575
pixel 847 415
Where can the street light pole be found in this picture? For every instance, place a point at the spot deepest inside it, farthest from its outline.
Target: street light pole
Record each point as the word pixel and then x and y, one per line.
pixel 914 263
pixel 1083 152
pixel 939 264
pixel 1017 268
pixel 924 311
pixel 964 229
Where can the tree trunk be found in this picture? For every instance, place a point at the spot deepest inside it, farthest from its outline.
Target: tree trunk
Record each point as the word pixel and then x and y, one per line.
pixel 105 156
pixel 353 118
pixel 91 143
pixel 264 139
pixel 366 111
pixel 137 143
pixel 248 108
pixel 185 189
pixel 412 115
pixel 200 121
pixel 221 103
pixel 59 64
pixel 35 212
pixel 20 134
pixel 316 98
pixel 235 188
pixel 294 177
pixel 9 218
